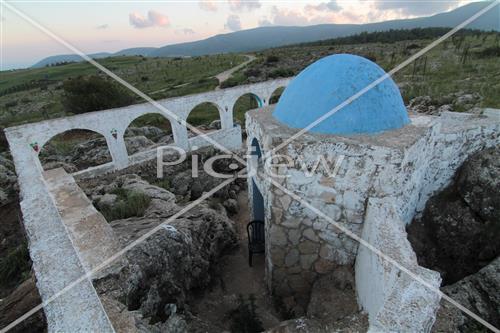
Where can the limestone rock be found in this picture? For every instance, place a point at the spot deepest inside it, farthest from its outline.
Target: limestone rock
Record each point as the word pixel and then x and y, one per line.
pixel 459 230
pixel 333 296
pixel 90 153
pixel 8 181
pixel 138 143
pixel 23 299
pixel 477 292
pixel 231 206
pixel 175 260
pixel 135 183
pixel 150 132
pixel 479 182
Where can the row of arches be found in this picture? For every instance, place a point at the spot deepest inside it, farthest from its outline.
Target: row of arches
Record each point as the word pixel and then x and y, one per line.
pixel 79 149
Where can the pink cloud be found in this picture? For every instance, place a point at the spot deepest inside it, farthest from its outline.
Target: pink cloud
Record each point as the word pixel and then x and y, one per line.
pixel 240 5
pixel 154 19
pixel 208 5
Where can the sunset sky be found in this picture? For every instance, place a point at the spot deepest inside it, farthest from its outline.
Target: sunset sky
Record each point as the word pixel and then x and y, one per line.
pixel 98 26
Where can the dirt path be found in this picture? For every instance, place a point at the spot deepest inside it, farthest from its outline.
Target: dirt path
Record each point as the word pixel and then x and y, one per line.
pixel 227 74
pixel 237 278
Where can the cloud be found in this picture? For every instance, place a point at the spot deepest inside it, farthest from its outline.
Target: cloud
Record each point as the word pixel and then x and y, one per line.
pixel 415 8
pixel 264 22
pixel 241 5
pixel 208 5
pixel 185 31
pixel 102 26
pixel 331 6
pixel 154 19
pixel 233 23
pixel 288 17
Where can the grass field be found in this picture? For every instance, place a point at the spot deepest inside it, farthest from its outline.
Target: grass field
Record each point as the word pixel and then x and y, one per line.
pixel 468 64
pixel 35 94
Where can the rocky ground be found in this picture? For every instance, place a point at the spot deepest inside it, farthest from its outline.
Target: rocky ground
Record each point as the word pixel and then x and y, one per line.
pixel 458 235
pixel 192 275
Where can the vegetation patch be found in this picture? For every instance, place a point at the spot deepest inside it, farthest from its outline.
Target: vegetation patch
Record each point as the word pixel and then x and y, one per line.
pixel 15 265
pixel 128 204
pixel 93 93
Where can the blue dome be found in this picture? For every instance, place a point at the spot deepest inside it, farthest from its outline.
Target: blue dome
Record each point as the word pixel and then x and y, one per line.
pixel 330 81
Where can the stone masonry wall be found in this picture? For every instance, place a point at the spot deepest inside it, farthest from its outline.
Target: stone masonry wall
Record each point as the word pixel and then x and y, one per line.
pixel 408 164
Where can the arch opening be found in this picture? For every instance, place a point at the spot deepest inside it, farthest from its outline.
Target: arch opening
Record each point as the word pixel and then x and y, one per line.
pixel 75 150
pixel 147 132
pixel 243 104
pixel 257 203
pixel 275 96
pixel 205 117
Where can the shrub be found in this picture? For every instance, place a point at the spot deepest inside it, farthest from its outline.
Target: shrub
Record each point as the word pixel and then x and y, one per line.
pixel 272 59
pixel 255 72
pixel 244 317
pixel 93 93
pixel 11 104
pixel 4 145
pixel 489 52
pixel 281 72
pixel 15 265
pixel 231 82
pixel 128 204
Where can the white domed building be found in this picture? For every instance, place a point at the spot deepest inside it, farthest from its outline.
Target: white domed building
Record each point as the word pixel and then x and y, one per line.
pixel 382 166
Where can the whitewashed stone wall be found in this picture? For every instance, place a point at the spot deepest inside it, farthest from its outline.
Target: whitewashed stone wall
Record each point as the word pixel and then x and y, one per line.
pixel 409 164
pixel 394 301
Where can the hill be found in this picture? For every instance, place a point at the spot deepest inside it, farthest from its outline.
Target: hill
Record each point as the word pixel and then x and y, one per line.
pixel 266 37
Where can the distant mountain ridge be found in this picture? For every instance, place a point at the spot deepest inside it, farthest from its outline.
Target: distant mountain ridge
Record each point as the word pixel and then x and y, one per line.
pixel 273 36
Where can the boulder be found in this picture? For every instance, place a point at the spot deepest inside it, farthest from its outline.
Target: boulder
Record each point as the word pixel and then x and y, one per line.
pixel 8 181
pixel 89 153
pixel 173 262
pixel 231 205
pixel 150 132
pixel 477 292
pixel 459 230
pixel 136 144
pixel 478 184
pixel 137 184
pixel 24 298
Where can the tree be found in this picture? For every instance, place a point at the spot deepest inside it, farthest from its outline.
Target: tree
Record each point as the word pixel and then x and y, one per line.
pixel 93 93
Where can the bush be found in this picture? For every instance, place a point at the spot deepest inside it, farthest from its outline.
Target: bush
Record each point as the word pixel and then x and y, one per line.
pixel 4 145
pixel 281 72
pixel 272 59
pixel 231 82
pixel 244 317
pixel 255 72
pixel 489 52
pixel 15 265
pixel 128 204
pixel 93 93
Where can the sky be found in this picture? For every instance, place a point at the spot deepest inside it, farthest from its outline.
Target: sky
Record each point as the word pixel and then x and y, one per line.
pixel 113 25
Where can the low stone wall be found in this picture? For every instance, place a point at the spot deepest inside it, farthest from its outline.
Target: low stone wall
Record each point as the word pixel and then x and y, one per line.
pixel 394 301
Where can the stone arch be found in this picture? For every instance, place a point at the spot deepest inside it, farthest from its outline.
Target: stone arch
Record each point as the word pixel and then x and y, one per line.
pixel 146 131
pixel 244 103
pixel 74 149
pixel 275 95
pixel 204 114
pixel 255 148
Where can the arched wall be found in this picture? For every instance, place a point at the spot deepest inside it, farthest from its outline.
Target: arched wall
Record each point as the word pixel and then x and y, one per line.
pixel 117 120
